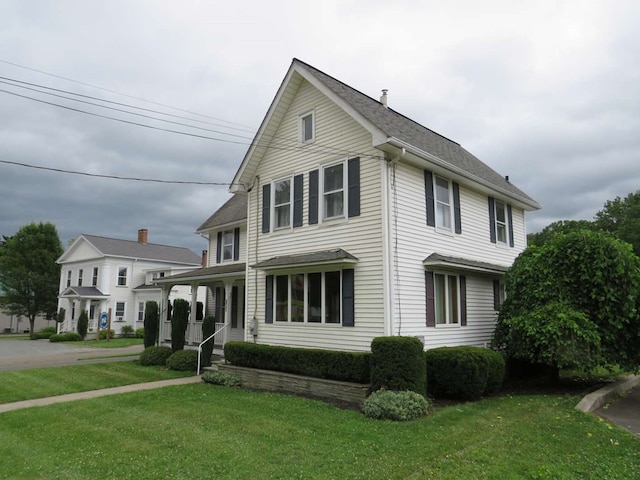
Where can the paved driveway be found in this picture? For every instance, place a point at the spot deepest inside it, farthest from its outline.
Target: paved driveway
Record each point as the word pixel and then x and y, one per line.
pixel 23 354
pixel 624 411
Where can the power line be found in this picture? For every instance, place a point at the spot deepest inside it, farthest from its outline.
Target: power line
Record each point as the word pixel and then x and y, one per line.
pixel 119 93
pixel 113 177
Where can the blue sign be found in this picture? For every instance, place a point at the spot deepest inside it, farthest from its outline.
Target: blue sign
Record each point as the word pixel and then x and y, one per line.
pixel 104 319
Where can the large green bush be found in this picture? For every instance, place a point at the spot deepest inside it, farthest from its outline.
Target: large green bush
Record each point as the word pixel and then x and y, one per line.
pixel 83 324
pixel 208 329
pixel 139 333
pixel 397 363
pixel 392 405
pixel 127 331
pixel 45 333
pixel 151 323
pixel 65 337
pixel 329 364
pixel 179 322
pixel 183 360
pixel 463 372
pixel 155 355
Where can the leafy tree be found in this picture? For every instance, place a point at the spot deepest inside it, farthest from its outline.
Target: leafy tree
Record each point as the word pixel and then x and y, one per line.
pixel 83 324
pixel 573 303
pixel 61 314
pixel 179 322
pixel 561 226
pixel 151 323
pixel 622 217
pixel 29 275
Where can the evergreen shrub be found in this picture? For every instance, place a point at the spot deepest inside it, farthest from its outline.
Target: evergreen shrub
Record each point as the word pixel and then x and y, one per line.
pixel 83 324
pixel 65 337
pixel 329 364
pixel 464 372
pixel 45 333
pixel 398 363
pixel 155 356
pixel 179 322
pixel 127 331
pixel 392 405
pixel 139 333
pixel 151 323
pixel 183 360
pixel 208 329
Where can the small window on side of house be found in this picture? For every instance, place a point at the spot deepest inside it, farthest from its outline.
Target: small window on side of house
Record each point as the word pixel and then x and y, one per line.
pixel 307 127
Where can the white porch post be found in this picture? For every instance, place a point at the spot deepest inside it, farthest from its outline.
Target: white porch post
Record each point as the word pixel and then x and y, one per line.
pixel 228 297
pixel 192 314
pixel 164 312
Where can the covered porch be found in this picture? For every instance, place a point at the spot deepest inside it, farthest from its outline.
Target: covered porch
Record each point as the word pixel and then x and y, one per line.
pixel 77 299
pixel 225 301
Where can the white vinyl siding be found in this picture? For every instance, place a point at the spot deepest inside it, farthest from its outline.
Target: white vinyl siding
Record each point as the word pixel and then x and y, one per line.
pixel 361 236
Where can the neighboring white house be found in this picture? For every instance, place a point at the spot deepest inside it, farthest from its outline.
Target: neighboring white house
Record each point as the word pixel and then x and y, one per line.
pixel 100 274
pixel 359 222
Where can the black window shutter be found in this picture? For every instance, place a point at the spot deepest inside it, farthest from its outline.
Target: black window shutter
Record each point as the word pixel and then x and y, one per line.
pixel 492 220
pixel 236 243
pixel 496 294
pixel 353 170
pixel 313 197
pixel 268 312
pixel 297 200
pixel 463 300
pixel 510 220
pixel 431 305
pixel 266 208
pixel 219 300
pixel 219 248
pixel 456 208
pixel 234 307
pixel 348 305
pixel 429 196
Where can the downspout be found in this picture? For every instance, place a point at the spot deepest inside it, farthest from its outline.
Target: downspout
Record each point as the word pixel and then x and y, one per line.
pixel 393 278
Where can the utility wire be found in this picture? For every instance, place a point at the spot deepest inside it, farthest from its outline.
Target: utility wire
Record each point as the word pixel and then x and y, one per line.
pixel 114 177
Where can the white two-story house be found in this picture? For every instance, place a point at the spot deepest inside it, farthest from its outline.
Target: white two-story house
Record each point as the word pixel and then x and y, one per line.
pixel 360 222
pixel 100 274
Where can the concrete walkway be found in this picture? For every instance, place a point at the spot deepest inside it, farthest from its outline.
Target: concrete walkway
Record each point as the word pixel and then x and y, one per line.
pixel 39 402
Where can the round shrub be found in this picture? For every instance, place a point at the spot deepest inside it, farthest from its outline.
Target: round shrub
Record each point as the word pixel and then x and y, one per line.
pixel 463 372
pixel 139 333
pixel 103 334
pixel 65 337
pixel 399 406
pixel 397 363
pixel 126 331
pixel 221 378
pixel 155 356
pixel 183 360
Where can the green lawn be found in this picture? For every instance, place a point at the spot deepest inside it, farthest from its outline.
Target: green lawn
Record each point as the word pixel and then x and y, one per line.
pixel 46 382
pixel 112 343
pixel 204 431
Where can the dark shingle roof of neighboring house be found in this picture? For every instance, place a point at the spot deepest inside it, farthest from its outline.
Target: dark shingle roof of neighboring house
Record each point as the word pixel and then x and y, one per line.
pixel 325 256
pixel 233 211
pixel 396 125
pixel 143 251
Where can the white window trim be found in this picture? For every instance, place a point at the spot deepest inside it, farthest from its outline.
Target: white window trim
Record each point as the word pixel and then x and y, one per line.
pixel 80 276
pixel 68 278
pixel 273 204
pixel 442 228
pixel 124 311
pixel 232 244
pixel 301 118
pixel 323 291
pixel 321 193
pixel 118 276
pixel 95 276
pixel 448 323
pixel 497 223
pixel 140 310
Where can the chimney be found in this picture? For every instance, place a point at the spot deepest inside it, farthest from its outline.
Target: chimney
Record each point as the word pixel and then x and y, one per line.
pixel 383 98
pixel 143 234
pixel 204 258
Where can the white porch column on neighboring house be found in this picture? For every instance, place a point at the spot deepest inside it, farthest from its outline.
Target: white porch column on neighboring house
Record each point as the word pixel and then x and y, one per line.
pixel 164 312
pixel 228 297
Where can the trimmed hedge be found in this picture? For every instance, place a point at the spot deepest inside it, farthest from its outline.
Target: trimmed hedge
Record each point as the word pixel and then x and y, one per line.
pixel 45 333
pixel 399 406
pixel 65 337
pixel 464 372
pixel 155 356
pixel 329 364
pixel 183 360
pixel 397 363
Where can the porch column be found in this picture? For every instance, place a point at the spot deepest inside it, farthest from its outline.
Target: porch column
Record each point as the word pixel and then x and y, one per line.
pixel 164 312
pixel 192 314
pixel 228 297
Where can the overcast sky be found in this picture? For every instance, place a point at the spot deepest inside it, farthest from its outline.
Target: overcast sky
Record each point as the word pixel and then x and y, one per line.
pixel 547 92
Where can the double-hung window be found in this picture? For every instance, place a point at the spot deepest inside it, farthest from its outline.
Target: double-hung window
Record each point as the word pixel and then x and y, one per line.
pixel 227 245
pixel 443 203
pixel 333 191
pixel 501 222
pixel 80 277
pixel 282 204
pixel 120 306
pixel 94 278
pixel 68 278
pixel 141 311
pixel 315 297
pixel 446 299
pixel 442 198
pixel 122 276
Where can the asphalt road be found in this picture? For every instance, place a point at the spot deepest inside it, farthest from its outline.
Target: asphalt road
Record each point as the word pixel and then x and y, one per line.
pixel 24 354
pixel 624 411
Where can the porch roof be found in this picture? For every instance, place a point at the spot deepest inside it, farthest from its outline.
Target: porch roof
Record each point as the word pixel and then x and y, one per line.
pixel 457 263
pixel 84 292
pixel 324 257
pixel 216 272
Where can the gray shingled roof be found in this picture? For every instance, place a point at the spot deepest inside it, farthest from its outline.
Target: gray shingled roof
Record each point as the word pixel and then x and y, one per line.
pixel 205 273
pixel 396 125
pixel 82 292
pixel 233 211
pixel 325 256
pixel 143 251
pixel 464 263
